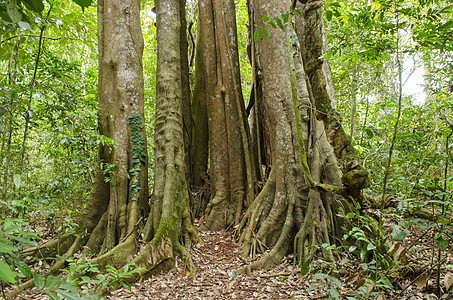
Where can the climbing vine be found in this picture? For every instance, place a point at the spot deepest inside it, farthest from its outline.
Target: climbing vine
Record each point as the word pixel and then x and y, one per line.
pixel 138 152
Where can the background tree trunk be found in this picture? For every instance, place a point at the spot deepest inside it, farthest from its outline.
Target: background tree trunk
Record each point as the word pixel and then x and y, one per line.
pixel 218 89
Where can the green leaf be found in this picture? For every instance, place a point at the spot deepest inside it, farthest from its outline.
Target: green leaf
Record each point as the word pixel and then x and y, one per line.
pixel 2 111
pixel 13 12
pixel 320 276
pixel 24 25
pixel 34 5
pixel 24 269
pixel 329 15
pixel 273 24
pixel 265 34
pixel 39 281
pixel 6 273
pixel 285 17
pixel 6 248
pixel 441 243
pixel 399 233
pixel 256 35
pixel 305 268
pixel 265 19
pixel 279 23
pixel 370 247
pixel 17 180
pixel 334 293
pixel 52 281
pixel 68 295
pixel 83 3
pixel 337 282
pixel 52 295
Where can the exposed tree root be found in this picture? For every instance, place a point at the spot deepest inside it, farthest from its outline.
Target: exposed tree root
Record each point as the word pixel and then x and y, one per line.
pixel 281 247
pixel 314 231
pixel 254 216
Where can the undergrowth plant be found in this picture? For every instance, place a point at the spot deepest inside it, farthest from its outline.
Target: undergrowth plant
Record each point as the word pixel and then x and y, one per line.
pixel 13 239
pixel 83 280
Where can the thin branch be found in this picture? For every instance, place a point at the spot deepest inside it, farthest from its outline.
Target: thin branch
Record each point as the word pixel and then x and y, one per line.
pixel 44 37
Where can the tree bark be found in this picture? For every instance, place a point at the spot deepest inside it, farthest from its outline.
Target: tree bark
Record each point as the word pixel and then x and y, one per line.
pixel 306 140
pixel 218 95
pixel 170 219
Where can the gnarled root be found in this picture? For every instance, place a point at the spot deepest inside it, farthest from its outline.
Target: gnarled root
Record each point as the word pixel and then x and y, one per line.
pixel 314 231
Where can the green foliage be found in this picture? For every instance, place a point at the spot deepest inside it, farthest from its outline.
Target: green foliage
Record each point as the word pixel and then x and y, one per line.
pixel 84 280
pixel 334 286
pixel 138 151
pixel 13 238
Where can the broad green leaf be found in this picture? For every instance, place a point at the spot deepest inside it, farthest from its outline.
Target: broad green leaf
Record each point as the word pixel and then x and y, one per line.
pixel 17 180
pixel 24 269
pixel 285 17
pixel 24 240
pixel 13 12
pixel 24 25
pixel 265 19
pixel 320 276
pixel 34 5
pixel 8 249
pixel 39 281
pixel 265 34
pixel 273 24
pixel 68 295
pixel 52 295
pixel 399 233
pixel 334 293
pixel 370 247
pixel 336 281
pixel 6 273
pixel 279 23
pixel 2 111
pixel 52 281
pixel 256 35
pixel 305 268
pixel 83 3
pixel 442 243
pixel 329 15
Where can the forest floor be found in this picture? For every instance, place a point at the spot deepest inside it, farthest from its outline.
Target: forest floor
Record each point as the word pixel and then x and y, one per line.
pixel 219 258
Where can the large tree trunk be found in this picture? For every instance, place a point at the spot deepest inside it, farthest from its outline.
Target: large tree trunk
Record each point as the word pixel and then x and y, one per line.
pixel 119 197
pixel 170 221
pixel 118 202
pixel 307 142
pixel 218 96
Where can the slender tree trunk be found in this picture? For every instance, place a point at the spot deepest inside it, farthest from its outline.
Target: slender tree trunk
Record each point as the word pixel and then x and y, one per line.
pixel 10 121
pixel 32 87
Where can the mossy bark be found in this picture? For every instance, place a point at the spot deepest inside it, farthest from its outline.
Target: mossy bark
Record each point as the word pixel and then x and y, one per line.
pixel 170 219
pixel 120 193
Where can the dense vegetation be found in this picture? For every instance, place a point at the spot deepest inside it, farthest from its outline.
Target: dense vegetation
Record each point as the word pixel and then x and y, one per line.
pixel 379 53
